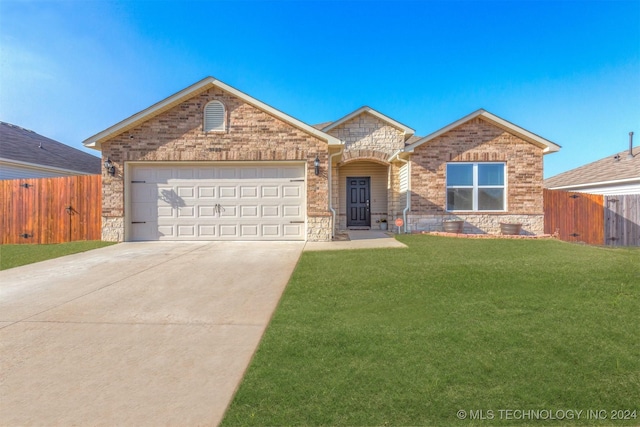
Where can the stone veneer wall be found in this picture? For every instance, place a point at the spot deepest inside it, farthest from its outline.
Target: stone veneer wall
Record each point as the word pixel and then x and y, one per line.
pixel 366 138
pixel 367 132
pixel 478 223
pixel 177 135
pixel 319 228
pixel 477 141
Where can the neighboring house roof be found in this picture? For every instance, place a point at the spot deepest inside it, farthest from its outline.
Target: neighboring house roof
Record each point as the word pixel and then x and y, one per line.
pixel 25 147
pixel 183 95
pixel 612 170
pixel 406 129
pixel 546 145
pixel 321 126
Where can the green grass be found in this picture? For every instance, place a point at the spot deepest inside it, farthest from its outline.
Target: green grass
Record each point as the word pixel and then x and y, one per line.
pixel 411 336
pixel 17 255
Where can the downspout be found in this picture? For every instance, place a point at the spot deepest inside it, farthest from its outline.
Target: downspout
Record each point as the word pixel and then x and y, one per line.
pixel 333 211
pixel 408 207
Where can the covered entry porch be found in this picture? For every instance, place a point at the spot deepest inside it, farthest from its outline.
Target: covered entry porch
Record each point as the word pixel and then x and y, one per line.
pixel 367 191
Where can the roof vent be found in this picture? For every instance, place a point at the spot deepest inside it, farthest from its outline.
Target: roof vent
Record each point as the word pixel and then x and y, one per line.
pixel 630 155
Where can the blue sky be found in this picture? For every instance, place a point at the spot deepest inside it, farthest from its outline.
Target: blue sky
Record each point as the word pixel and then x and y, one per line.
pixel 568 71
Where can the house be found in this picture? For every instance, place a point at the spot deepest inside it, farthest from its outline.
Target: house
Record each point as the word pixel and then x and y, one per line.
pixel 615 174
pixel 26 154
pixel 213 163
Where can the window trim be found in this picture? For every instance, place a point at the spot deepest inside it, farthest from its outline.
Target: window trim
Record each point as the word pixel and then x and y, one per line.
pixel 475 187
pixel 223 126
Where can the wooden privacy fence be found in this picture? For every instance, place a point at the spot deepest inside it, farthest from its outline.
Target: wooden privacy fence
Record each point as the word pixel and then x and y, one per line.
pixel 51 210
pixel 593 218
pixel 622 220
pixel 575 217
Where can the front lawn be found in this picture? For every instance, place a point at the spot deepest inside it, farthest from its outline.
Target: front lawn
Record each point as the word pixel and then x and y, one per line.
pixel 17 255
pixel 413 336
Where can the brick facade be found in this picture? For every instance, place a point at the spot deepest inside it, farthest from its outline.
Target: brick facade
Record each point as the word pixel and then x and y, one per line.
pixel 251 135
pixel 477 141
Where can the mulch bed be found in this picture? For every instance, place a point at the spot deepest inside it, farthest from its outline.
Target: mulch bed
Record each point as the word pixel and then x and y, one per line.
pixel 487 236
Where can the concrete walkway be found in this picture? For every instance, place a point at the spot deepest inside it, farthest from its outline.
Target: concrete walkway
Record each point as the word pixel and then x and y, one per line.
pixel 136 334
pixel 358 239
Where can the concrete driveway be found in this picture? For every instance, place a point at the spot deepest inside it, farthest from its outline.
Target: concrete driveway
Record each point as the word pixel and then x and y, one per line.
pixel 142 334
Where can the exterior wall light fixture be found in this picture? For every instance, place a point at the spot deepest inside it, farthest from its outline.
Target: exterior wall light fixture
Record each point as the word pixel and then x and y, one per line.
pixel 316 165
pixel 108 165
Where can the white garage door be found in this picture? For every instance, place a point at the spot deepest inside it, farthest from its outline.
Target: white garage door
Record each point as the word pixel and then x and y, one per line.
pixel 216 202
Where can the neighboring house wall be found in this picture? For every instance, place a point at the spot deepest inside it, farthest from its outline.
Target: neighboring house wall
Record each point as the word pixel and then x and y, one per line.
pixel 252 135
pixel 606 189
pixel 477 141
pixel 13 170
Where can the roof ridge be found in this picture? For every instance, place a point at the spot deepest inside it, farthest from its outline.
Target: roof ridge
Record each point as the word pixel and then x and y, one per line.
pixel 19 127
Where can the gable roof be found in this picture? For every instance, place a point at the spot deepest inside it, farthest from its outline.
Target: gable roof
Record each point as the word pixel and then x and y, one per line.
pixel 546 145
pixel 196 88
pixel 616 168
pixel 406 129
pixel 25 146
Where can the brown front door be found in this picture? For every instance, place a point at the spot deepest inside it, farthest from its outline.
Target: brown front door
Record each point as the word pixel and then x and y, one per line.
pixel 359 202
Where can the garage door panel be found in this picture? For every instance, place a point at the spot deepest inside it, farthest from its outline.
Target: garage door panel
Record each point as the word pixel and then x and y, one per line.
pixel 186 192
pixel 187 230
pixel 270 211
pixel 227 173
pixel 291 191
pixel 206 212
pixel 291 211
pixel 212 202
pixel 206 192
pixel 292 230
pixel 248 211
pixel 166 231
pixel 206 173
pixel 227 192
pixel 186 212
pixel 228 211
pixel 207 230
pixel 228 230
pixel 248 192
pixel 270 191
pixel 291 172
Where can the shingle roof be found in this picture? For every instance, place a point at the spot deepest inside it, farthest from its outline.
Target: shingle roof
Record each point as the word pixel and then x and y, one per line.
pixel 24 145
pixel 603 170
pixel 321 126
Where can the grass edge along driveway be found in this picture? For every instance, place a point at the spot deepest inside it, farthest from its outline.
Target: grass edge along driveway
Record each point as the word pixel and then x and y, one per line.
pixel 413 336
pixel 16 255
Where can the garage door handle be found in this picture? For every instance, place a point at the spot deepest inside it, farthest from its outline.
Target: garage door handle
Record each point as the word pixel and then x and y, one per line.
pixel 296 222
pixel 138 222
pixel 296 180
pixel 138 182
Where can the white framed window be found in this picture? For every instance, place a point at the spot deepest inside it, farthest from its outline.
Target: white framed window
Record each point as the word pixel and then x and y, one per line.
pixel 476 187
pixel 214 117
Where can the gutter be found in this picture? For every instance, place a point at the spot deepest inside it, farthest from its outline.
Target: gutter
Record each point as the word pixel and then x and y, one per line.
pixel 333 211
pixel 408 206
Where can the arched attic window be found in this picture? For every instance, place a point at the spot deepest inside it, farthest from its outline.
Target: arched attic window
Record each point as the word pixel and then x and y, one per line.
pixel 214 117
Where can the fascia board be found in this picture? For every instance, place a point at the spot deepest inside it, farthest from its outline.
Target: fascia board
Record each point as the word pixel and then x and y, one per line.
pixel 548 146
pixel 593 184
pixel 42 167
pixel 95 140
